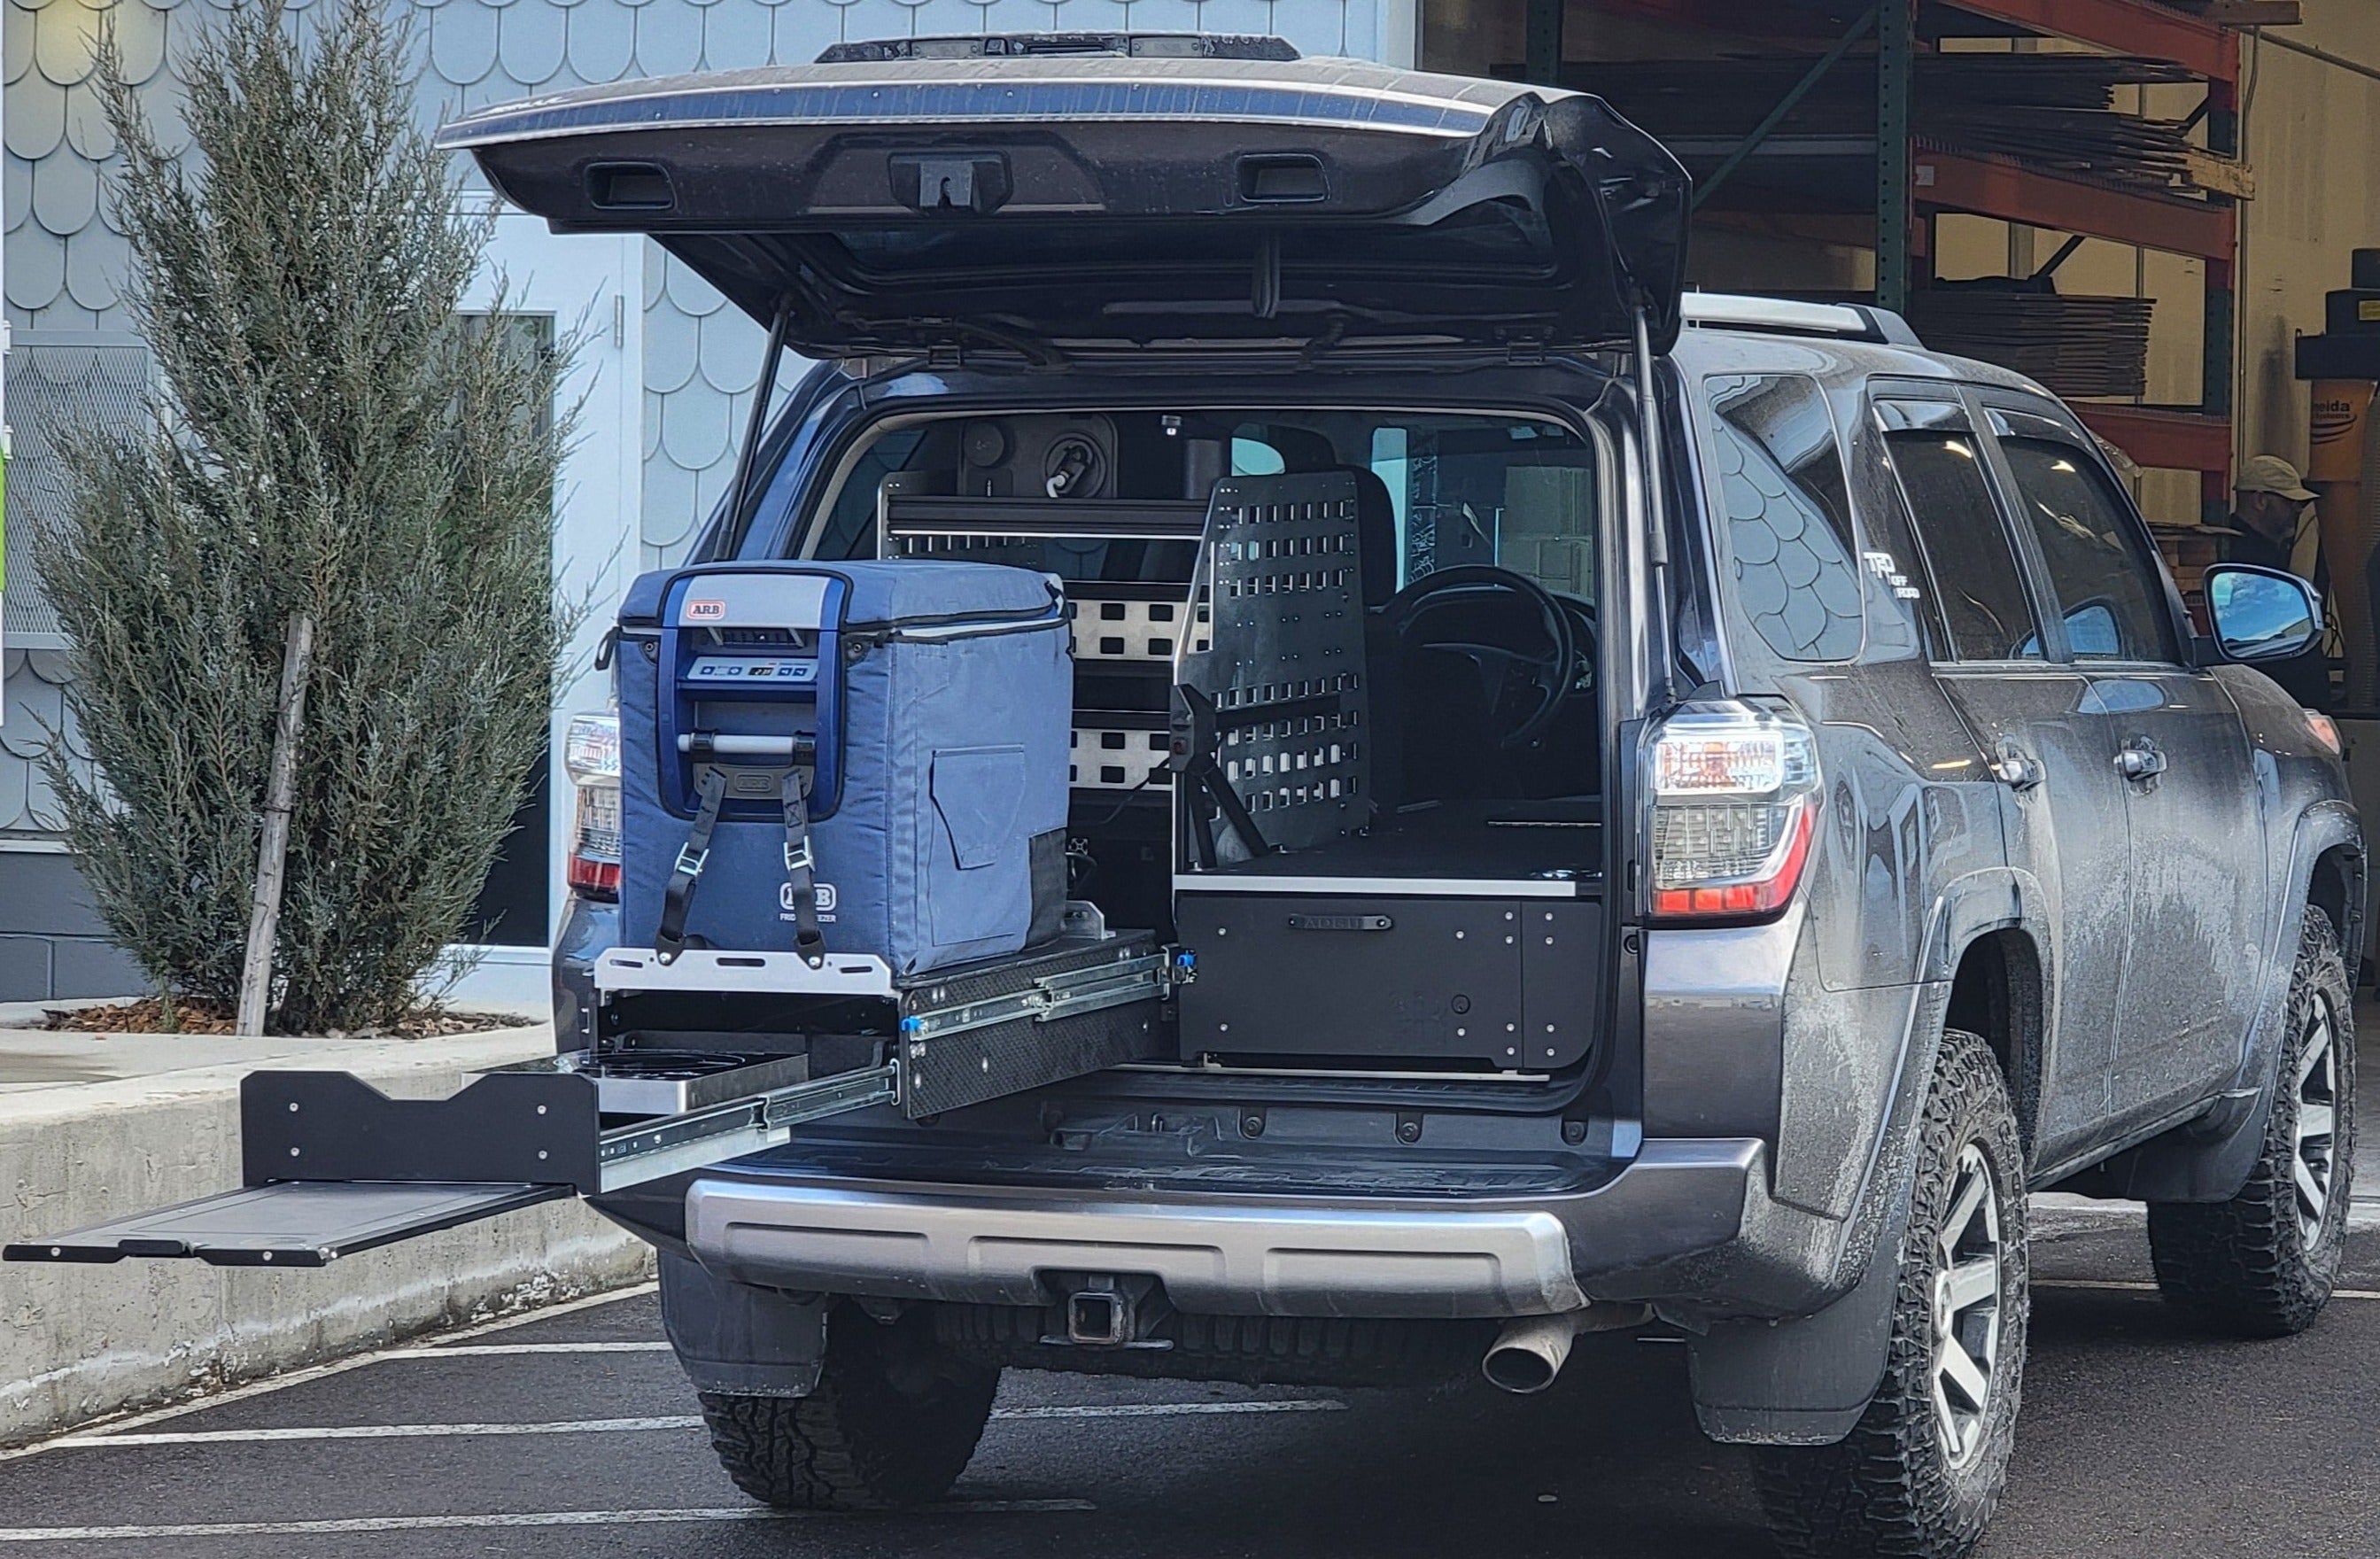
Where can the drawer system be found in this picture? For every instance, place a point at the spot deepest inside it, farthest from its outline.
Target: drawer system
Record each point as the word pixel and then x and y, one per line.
pixel 332 1166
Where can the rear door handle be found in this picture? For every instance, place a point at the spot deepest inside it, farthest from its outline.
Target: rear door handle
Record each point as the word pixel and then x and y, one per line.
pixel 2014 769
pixel 2139 758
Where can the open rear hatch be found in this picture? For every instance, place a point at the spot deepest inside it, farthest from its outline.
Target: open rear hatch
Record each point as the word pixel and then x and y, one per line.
pixel 1038 194
pixel 1041 197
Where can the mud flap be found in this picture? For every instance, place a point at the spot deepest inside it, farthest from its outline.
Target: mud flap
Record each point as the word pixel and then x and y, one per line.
pixel 735 1338
pixel 1803 1382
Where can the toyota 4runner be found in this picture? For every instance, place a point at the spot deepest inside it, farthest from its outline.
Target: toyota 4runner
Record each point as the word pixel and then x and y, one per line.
pixel 1789 815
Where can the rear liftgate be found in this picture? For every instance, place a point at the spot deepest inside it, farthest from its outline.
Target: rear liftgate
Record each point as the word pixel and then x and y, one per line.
pixel 332 1166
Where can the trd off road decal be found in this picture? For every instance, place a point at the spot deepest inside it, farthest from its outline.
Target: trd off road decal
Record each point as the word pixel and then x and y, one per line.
pixel 1883 567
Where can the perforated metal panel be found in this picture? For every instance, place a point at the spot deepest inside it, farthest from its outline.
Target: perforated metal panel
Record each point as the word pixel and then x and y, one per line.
pixel 1277 641
pixel 1136 631
pixel 1116 760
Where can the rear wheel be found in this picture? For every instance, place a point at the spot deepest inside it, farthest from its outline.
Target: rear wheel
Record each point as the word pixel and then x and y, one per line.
pixel 2263 1263
pixel 1920 1475
pixel 892 1422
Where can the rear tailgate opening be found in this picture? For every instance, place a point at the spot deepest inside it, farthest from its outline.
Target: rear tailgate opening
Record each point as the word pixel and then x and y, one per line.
pixel 1336 734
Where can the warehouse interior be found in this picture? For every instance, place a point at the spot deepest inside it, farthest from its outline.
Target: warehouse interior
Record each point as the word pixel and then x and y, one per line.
pixel 2146 204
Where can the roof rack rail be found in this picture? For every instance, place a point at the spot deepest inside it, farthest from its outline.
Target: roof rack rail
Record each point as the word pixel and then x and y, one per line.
pixel 1013 46
pixel 1787 316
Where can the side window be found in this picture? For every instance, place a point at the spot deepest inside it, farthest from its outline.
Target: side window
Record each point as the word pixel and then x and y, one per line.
pixel 1976 586
pixel 850 529
pixel 2107 587
pixel 1789 515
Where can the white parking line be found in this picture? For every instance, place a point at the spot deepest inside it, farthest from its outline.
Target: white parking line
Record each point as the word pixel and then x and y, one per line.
pixel 376 1431
pixel 2114 1285
pixel 1168 1410
pixel 341 1366
pixel 486 1350
pixel 675 1421
pixel 529 1518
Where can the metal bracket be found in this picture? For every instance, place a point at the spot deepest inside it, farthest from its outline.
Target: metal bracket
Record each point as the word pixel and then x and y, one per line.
pixel 651 1150
pixel 1055 996
pixel 1786 104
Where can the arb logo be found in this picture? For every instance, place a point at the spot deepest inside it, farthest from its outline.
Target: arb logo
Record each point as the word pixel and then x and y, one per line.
pixel 706 610
pixel 822 895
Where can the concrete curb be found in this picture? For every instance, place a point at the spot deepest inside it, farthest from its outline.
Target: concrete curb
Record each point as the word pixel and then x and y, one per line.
pixel 90 1138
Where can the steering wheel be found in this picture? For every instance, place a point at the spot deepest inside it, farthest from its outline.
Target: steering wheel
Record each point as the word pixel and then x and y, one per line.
pixel 1549 674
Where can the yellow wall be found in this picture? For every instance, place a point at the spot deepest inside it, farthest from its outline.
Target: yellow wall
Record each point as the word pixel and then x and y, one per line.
pixel 2312 132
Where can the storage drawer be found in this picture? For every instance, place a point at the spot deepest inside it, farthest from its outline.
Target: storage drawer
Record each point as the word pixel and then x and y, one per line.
pixel 1508 983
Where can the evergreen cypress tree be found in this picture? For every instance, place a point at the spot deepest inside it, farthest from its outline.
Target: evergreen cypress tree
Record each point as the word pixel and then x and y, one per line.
pixel 331 435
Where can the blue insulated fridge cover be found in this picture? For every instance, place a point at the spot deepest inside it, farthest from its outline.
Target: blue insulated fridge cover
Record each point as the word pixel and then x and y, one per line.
pixel 928 706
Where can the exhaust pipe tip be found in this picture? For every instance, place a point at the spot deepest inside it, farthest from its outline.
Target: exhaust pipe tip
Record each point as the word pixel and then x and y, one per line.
pixel 1528 1354
pixel 1524 1371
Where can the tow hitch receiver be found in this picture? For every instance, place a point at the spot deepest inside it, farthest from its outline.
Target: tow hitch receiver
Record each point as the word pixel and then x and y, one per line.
pixel 332 1165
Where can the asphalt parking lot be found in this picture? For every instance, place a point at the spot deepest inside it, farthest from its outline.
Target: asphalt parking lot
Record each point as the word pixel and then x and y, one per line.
pixel 570 1431
pixel 573 1433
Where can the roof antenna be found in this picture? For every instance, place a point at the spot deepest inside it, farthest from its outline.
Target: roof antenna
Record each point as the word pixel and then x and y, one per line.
pixel 1265 297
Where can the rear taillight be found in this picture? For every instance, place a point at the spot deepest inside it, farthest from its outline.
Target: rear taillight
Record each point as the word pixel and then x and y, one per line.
pixel 590 755
pixel 1735 803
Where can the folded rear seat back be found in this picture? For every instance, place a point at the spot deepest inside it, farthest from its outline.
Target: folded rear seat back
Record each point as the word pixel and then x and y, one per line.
pixel 929 705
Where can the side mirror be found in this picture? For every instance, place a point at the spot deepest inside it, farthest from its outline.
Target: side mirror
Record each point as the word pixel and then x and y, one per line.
pixel 2261 614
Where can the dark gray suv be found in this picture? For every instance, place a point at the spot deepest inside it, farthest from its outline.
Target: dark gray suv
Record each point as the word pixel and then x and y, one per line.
pixel 1699 806
pixel 1795 831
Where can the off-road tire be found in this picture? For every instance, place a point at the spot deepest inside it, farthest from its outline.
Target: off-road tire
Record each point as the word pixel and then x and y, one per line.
pixel 892 1422
pixel 1895 1486
pixel 2246 1268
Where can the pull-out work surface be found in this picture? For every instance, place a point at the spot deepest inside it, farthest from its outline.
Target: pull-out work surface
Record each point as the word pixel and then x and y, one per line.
pixel 332 1165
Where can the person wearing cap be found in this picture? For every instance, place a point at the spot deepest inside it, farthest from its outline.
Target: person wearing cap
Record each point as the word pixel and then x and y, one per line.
pixel 2270 515
pixel 2268 510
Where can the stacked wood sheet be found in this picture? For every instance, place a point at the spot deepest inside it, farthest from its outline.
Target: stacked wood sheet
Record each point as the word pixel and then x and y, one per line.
pixel 2076 346
pixel 2053 112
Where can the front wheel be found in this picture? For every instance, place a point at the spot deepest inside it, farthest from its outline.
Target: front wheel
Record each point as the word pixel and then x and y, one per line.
pixel 2263 1263
pixel 1920 1474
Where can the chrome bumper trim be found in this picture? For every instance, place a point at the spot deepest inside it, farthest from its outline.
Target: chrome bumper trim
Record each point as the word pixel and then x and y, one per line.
pixel 1230 1256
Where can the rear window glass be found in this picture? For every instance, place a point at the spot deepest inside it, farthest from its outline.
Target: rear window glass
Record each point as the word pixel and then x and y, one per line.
pixel 2108 588
pixel 1518 493
pixel 1981 595
pixel 1781 488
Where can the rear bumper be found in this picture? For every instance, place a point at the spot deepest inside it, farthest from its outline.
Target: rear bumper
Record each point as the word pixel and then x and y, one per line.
pixel 1240 1255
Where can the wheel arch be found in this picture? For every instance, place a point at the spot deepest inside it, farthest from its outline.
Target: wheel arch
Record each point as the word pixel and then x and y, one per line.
pixel 1998 992
pixel 2336 887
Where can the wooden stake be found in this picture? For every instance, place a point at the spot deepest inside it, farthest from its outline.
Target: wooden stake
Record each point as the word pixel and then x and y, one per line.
pixel 273 850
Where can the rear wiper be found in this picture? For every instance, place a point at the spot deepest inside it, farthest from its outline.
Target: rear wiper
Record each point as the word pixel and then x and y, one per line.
pixel 1323 342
